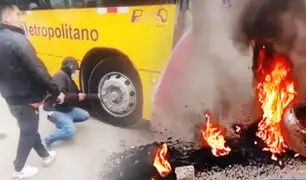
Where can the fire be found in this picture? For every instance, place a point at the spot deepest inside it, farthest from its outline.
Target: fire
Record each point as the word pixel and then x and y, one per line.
pixel 161 164
pixel 276 91
pixel 212 134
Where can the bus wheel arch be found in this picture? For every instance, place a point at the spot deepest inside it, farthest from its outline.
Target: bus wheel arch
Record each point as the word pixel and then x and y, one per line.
pixel 92 58
pixel 100 62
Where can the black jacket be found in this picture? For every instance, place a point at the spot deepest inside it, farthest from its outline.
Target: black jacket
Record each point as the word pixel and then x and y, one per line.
pixel 23 77
pixel 69 88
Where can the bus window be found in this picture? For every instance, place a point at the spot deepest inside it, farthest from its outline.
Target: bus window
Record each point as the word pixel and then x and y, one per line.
pixel 31 4
pixel 135 2
pixel 59 3
pixel 108 3
pixel 78 3
pixel 91 3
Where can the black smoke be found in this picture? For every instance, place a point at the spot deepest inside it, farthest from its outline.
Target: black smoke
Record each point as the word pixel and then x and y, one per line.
pixel 276 21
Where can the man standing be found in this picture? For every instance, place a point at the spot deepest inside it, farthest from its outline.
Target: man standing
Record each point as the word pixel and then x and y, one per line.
pixel 65 115
pixel 24 83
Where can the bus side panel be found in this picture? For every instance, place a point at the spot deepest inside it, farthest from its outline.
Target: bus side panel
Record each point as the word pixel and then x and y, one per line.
pixel 143 33
pixel 148 80
pixel 145 39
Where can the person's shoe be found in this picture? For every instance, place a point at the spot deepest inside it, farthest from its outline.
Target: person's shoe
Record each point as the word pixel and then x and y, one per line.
pixel 26 172
pixel 47 161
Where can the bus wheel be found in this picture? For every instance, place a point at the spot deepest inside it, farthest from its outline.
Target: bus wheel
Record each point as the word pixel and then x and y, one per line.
pixel 120 93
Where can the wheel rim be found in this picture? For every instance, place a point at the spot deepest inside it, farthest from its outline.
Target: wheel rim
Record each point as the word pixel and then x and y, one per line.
pixel 293 132
pixel 117 94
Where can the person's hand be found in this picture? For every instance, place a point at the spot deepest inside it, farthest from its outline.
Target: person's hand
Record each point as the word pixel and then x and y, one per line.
pixel 60 99
pixel 35 105
pixel 82 96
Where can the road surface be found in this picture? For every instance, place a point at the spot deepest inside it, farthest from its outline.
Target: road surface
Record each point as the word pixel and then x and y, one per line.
pixel 79 159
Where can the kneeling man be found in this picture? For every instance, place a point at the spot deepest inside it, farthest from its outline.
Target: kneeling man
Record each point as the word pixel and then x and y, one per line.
pixel 65 115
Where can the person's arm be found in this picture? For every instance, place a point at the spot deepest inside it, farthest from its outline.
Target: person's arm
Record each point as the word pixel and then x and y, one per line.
pixel 62 82
pixel 27 55
pixel 91 97
pixel 72 98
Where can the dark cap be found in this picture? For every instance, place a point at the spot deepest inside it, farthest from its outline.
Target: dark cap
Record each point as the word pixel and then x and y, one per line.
pixel 70 63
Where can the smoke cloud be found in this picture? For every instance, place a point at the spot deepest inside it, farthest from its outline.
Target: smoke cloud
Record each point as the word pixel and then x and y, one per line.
pixel 214 70
pixel 211 75
pixel 280 22
pixel 277 21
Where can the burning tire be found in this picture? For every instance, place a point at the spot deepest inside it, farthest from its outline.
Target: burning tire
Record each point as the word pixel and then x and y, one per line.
pixel 293 128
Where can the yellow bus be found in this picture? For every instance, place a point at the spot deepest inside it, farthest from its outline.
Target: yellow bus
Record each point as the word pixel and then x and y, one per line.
pixel 121 45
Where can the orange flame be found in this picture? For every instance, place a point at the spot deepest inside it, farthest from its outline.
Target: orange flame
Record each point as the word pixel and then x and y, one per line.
pixel 161 164
pixel 214 138
pixel 276 91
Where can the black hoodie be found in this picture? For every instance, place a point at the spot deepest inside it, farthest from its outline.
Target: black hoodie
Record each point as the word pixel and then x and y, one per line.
pixel 67 86
pixel 23 77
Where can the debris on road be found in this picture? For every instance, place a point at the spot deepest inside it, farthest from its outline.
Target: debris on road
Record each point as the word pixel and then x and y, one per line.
pixel 185 173
pixel 246 160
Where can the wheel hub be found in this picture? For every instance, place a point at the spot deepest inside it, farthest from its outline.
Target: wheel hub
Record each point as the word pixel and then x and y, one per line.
pixel 117 94
pixel 115 97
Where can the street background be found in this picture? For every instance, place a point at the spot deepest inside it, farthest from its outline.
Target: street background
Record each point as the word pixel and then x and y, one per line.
pixel 79 159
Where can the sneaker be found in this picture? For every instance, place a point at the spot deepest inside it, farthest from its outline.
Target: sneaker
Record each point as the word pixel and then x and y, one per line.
pixel 47 161
pixel 26 172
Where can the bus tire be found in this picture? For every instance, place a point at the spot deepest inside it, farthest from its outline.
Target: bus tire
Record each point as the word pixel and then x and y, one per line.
pixel 120 93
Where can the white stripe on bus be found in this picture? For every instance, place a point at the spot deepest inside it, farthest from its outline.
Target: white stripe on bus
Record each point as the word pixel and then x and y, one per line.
pixel 101 10
pixel 123 9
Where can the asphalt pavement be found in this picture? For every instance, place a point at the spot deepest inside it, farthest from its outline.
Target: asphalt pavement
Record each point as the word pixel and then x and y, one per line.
pixel 79 159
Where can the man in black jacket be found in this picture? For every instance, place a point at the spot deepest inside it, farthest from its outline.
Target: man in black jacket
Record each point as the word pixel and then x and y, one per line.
pixel 65 115
pixel 24 83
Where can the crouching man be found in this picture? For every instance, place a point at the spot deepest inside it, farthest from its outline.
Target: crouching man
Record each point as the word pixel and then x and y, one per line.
pixel 63 116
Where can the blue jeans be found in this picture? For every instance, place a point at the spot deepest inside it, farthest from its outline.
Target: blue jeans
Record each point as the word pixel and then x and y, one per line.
pixel 64 122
